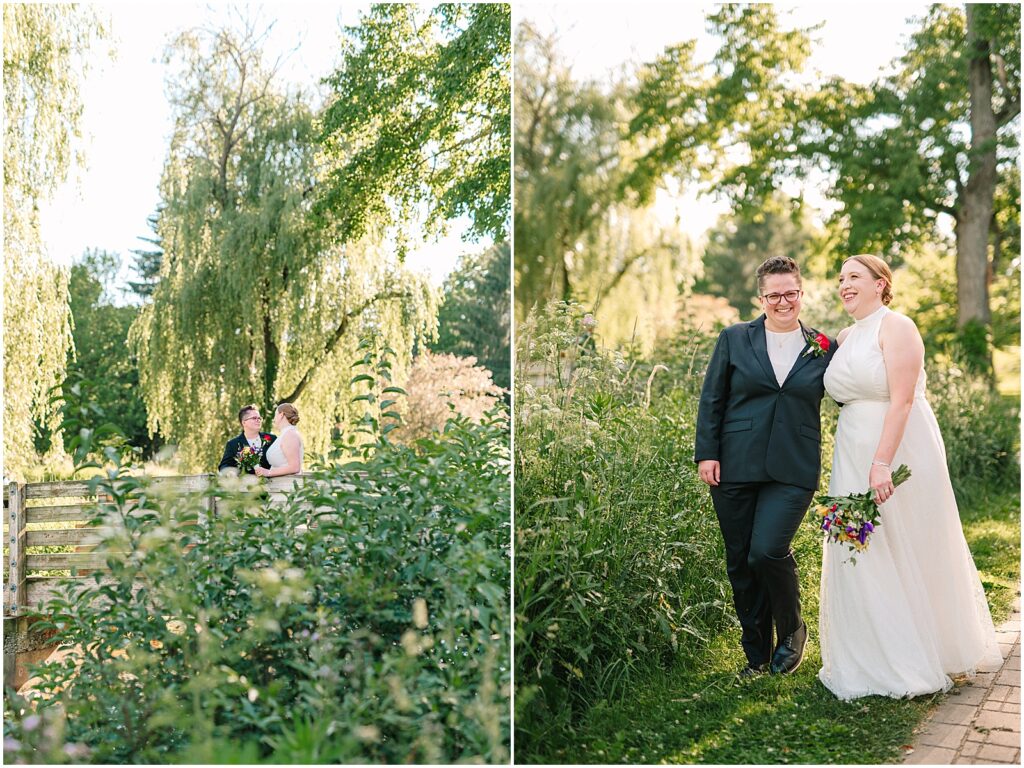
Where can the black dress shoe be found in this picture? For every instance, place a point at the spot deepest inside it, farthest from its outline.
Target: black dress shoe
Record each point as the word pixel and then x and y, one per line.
pixel 790 653
pixel 753 670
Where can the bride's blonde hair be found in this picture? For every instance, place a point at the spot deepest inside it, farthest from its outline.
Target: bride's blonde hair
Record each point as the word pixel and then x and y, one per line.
pixel 290 412
pixel 879 271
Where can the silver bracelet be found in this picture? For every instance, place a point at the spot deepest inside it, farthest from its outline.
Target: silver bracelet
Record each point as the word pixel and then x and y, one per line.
pixel 880 464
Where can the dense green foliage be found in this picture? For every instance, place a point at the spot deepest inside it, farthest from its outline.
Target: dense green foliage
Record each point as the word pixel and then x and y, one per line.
pixel 364 617
pixel 616 546
pixel 254 303
pixel 918 120
pixel 45 47
pixel 476 312
pixel 981 432
pixel 689 115
pixel 420 115
pixel 101 353
pixel 620 572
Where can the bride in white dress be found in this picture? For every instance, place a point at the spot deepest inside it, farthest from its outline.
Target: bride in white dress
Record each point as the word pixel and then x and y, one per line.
pixel 285 455
pixel 912 611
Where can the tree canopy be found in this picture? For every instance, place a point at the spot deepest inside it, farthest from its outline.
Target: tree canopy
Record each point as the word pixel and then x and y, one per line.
pixel 44 61
pixel 582 230
pixel 419 120
pixel 475 315
pixel 101 355
pixel 937 138
pixel 931 141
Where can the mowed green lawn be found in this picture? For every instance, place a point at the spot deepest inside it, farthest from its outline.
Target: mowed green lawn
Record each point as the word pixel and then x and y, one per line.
pixel 699 712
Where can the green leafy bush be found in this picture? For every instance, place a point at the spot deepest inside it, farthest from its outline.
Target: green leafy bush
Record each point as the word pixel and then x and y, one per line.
pixel 364 617
pixel 980 429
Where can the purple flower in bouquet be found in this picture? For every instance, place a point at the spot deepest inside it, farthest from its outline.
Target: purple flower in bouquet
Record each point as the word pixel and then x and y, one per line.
pixel 865 530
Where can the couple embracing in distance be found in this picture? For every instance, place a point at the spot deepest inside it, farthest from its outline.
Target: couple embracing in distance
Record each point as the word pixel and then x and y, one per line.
pixel 263 453
pixel 912 612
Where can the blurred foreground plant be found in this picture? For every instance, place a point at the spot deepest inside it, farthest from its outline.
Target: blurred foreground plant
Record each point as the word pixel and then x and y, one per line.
pixel 363 617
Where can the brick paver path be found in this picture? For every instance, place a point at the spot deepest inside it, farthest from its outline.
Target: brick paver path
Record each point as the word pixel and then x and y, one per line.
pixel 979 722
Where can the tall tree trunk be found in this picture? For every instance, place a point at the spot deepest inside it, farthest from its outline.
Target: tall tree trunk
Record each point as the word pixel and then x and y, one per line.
pixel 974 211
pixel 272 360
pixel 972 260
pixel 975 204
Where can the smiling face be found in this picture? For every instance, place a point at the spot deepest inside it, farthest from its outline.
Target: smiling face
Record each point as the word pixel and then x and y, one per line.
pixel 859 290
pixel 784 315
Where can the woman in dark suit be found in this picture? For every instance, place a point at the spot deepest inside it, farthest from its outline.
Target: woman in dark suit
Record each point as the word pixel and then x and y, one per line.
pixel 758 447
pixel 250 419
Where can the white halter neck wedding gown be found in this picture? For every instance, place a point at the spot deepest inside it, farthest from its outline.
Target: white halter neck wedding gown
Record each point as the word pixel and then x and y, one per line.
pixel 275 454
pixel 911 611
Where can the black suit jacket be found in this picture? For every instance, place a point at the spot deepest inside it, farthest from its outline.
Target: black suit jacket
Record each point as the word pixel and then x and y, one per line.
pixel 236 444
pixel 757 430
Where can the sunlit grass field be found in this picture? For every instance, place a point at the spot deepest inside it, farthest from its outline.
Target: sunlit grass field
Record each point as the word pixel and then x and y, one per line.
pixel 1007 367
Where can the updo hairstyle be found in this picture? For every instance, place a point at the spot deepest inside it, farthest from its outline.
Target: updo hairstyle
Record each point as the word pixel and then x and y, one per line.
pixel 290 412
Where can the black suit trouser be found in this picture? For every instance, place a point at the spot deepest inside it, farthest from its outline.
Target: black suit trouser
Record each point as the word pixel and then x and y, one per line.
pixel 758 522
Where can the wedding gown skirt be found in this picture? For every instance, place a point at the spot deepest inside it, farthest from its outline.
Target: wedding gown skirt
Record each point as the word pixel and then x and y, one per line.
pixel 911 611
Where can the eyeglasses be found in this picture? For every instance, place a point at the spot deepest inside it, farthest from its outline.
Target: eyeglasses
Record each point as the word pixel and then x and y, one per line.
pixel 253 418
pixel 775 298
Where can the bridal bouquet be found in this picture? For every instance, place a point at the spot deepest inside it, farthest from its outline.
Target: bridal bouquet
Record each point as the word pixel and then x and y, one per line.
pixel 850 519
pixel 247 459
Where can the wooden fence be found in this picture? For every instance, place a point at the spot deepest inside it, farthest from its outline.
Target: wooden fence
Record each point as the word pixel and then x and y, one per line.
pixel 65 508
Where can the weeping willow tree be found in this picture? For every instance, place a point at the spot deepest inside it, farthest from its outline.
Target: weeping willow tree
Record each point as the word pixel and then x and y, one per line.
pixel 253 303
pixel 44 59
pixel 581 232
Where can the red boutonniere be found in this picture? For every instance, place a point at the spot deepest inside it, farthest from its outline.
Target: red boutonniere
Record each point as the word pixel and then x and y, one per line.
pixel 266 438
pixel 818 344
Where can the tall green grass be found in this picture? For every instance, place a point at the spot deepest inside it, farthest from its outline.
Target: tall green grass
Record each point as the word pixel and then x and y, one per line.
pixel 617 558
pixel 980 429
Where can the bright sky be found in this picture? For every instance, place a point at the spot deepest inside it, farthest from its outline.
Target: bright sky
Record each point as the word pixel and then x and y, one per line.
pixel 857 41
pixel 127 123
